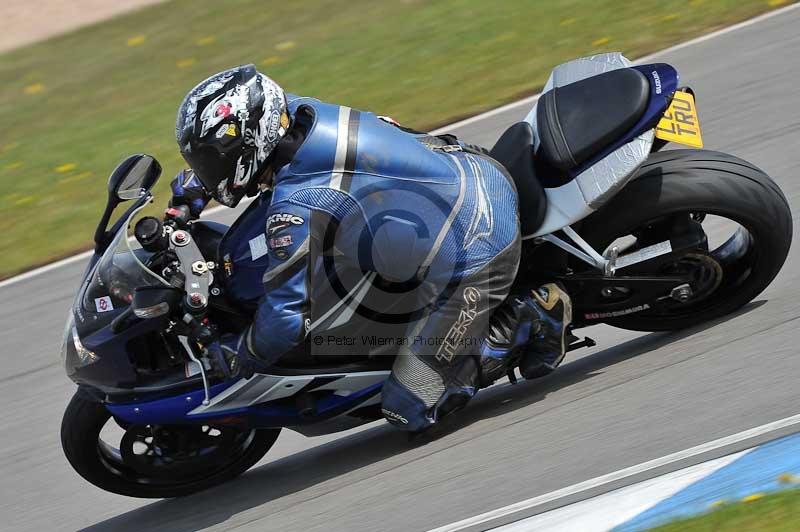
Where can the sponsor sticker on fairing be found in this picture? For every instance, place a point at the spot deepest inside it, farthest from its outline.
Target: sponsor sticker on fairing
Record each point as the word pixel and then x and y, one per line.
pixel 103 304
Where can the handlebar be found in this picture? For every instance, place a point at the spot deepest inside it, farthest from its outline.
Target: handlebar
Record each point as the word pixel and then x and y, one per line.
pixel 181 215
pixel 194 276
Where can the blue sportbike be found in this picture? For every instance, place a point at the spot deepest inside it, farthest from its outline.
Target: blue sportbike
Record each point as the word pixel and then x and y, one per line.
pixel 641 238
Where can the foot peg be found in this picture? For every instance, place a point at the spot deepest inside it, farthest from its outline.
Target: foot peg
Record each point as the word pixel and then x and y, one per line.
pixel 512 376
pixel 577 343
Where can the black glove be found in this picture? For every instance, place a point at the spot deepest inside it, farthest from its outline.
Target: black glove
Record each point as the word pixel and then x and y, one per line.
pixel 188 190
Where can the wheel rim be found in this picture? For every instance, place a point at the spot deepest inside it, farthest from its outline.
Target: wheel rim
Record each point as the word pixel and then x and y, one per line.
pixel 715 269
pixel 157 455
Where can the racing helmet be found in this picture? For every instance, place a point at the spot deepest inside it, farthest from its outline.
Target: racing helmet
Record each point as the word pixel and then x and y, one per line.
pixel 227 128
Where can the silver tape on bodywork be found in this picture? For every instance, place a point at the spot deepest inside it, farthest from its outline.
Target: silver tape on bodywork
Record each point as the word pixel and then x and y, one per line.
pixel 586 67
pixel 606 177
pixel 576 70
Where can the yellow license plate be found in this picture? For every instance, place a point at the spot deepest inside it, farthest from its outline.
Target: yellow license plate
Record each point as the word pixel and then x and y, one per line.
pixel 680 123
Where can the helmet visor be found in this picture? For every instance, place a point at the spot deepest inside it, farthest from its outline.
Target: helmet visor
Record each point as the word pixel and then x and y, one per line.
pixel 211 167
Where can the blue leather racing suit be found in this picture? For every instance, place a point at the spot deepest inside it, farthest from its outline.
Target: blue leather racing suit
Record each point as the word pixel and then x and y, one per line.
pixel 396 231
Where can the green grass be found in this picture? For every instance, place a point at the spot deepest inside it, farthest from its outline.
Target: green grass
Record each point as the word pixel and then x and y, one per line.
pixel 779 512
pixel 72 107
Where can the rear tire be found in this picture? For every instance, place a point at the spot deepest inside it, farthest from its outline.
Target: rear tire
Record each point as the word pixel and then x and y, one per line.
pixel 83 420
pixel 708 182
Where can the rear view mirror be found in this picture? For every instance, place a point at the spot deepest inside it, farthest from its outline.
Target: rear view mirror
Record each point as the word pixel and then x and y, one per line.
pixel 134 177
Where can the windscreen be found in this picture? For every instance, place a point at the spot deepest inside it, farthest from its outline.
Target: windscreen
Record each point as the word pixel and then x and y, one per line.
pixel 117 274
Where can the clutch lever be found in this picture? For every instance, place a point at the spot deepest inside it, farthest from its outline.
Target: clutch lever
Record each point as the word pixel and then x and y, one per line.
pixel 184 340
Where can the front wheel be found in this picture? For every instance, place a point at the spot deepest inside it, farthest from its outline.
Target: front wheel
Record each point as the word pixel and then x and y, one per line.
pixel 737 207
pixel 156 461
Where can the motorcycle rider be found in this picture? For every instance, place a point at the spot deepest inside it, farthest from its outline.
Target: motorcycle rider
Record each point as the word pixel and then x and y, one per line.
pixel 359 204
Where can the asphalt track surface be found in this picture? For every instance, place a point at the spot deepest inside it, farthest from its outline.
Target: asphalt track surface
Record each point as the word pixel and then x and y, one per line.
pixel 634 398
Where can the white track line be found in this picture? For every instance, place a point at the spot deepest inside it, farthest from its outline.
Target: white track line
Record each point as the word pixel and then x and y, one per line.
pixel 44 269
pixel 610 510
pixel 525 101
pixel 620 475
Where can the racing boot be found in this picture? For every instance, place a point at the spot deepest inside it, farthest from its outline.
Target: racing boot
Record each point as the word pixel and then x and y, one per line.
pixel 510 330
pixel 529 329
pixel 548 345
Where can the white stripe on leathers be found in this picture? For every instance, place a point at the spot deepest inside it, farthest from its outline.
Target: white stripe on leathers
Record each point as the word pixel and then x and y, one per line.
pixel 341 147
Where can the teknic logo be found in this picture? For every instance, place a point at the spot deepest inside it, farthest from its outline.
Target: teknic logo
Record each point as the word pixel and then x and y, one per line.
pixel 281 220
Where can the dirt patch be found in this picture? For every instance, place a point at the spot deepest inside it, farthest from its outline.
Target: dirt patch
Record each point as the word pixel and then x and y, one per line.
pixel 29 21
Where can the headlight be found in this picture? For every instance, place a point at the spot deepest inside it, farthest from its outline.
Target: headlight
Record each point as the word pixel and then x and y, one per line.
pixel 84 355
pixel 73 353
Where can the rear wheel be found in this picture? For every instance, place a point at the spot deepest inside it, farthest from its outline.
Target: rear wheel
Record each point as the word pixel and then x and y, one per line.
pixel 156 461
pixel 707 191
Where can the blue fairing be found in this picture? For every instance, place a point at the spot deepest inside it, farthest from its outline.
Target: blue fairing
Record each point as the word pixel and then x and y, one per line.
pixel 663 84
pixel 175 410
pixel 114 365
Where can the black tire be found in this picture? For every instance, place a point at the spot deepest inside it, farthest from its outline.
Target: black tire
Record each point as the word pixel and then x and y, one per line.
pixel 83 420
pixel 709 182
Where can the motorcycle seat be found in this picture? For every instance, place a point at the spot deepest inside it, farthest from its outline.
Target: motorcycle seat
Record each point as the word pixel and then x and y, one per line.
pixel 578 120
pixel 514 150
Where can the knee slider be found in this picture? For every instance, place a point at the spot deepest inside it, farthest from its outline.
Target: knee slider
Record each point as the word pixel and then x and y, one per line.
pixel 402 408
